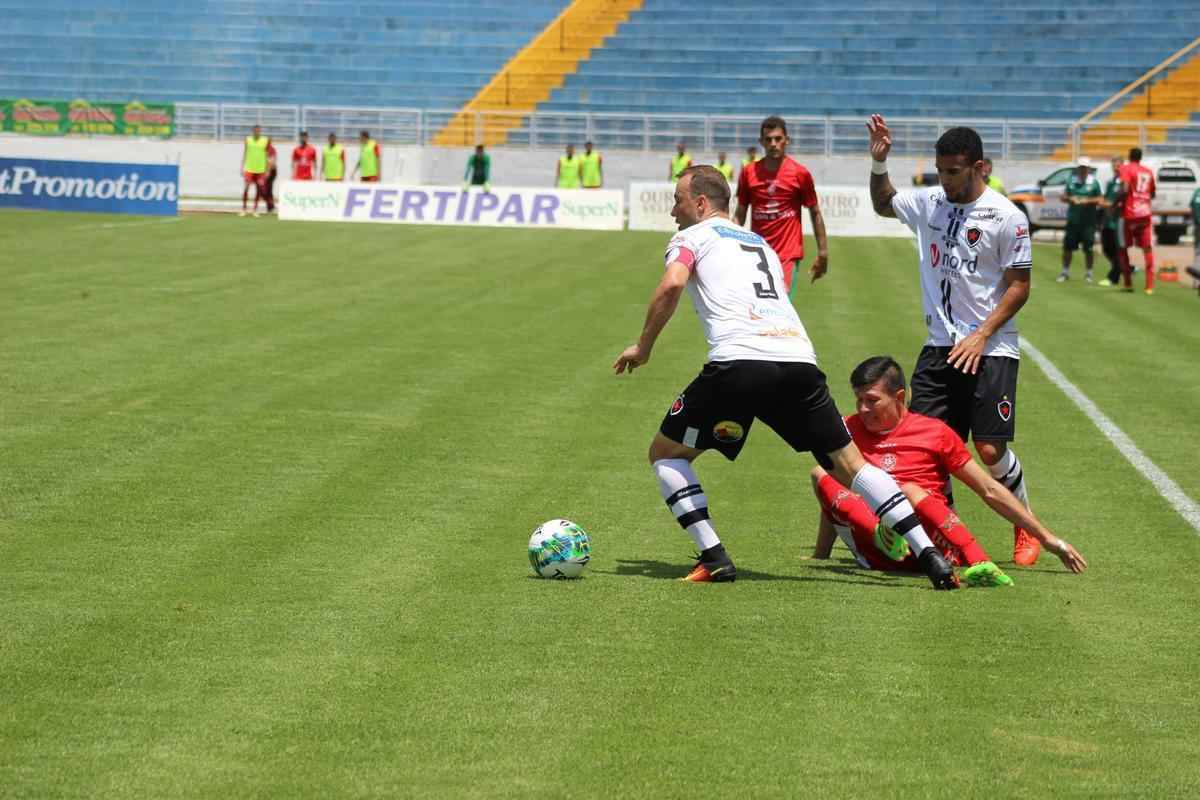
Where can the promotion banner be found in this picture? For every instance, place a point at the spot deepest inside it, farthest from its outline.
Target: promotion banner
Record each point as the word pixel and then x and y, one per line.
pixel 89 186
pixel 58 118
pixel 847 211
pixel 317 201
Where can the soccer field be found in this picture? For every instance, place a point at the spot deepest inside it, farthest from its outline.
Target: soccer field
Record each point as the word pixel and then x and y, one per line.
pixel 267 487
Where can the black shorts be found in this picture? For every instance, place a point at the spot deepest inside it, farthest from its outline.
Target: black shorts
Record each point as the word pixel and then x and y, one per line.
pixel 983 405
pixel 716 410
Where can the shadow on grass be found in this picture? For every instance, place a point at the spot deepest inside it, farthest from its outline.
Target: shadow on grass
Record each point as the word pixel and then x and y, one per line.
pixel 844 573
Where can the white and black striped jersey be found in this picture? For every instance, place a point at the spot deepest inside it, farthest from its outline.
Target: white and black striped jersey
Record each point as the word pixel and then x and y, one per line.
pixel 737 289
pixel 965 250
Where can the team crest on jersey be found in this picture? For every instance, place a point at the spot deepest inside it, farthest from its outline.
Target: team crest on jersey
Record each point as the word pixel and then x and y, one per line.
pixel 677 406
pixel 1005 409
pixel 973 236
pixel 888 462
pixel 728 432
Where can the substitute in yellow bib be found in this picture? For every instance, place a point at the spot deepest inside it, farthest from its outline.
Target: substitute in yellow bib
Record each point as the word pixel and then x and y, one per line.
pixel 680 162
pixel 566 174
pixel 369 158
pixel 591 167
pixel 724 167
pixel 254 167
pixel 333 160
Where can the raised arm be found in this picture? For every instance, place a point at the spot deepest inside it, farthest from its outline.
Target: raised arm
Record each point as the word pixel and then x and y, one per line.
pixel 882 190
pixel 662 306
pixel 1004 503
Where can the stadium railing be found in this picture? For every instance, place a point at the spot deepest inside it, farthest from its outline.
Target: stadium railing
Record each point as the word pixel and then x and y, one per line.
pixel 1004 139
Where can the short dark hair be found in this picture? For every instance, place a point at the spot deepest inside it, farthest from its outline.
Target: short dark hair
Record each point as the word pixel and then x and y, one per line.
pixel 708 182
pixel 960 142
pixel 1135 154
pixel 988 161
pixel 770 123
pixel 877 368
pixel 364 134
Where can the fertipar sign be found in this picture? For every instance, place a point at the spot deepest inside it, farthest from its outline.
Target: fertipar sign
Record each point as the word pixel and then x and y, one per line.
pixel 58 118
pixel 450 205
pixel 89 186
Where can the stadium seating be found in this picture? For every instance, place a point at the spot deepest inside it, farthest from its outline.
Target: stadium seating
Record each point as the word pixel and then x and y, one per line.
pixel 415 53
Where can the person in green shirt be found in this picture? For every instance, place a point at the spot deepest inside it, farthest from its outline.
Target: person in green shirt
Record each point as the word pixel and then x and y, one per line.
pixel 1083 196
pixel 333 160
pixel 479 170
pixel 1194 269
pixel 566 174
pixel 679 163
pixel 254 167
pixel 1110 237
pixel 369 158
pixel 591 167
pixel 724 167
pixel 992 181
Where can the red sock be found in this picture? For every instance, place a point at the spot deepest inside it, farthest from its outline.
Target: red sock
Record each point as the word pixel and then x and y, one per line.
pixel 843 506
pixel 1149 256
pixel 944 527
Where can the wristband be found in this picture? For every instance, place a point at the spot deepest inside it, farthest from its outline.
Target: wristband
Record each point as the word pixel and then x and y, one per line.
pixel 878 167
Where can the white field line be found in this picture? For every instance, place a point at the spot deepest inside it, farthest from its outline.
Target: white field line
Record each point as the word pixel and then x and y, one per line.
pixel 136 224
pixel 1169 489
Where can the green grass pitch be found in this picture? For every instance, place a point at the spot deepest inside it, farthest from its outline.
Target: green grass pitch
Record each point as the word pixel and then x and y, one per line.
pixel 266 489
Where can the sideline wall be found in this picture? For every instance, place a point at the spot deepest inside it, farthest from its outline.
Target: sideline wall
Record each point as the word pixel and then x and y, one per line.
pixel 212 169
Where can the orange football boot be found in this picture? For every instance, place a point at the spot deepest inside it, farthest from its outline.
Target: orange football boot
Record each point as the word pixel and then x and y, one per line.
pixel 1026 549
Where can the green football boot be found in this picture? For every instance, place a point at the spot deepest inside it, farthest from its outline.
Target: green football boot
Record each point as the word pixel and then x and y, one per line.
pixel 890 543
pixel 985 573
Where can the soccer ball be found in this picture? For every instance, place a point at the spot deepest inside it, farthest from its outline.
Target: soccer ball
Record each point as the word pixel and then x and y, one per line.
pixel 559 549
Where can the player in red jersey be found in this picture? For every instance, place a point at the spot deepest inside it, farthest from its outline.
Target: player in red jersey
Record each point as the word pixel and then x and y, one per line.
pixel 920 453
pixel 304 159
pixel 1136 192
pixel 778 187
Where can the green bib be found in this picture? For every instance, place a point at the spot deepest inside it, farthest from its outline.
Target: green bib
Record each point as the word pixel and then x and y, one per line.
pixel 590 169
pixel 368 162
pixel 256 154
pixel 678 165
pixel 334 163
pixel 726 169
pixel 568 172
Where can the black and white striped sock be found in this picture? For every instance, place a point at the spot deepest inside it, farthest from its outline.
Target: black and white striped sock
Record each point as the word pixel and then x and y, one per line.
pixel 884 497
pixel 1008 471
pixel 681 490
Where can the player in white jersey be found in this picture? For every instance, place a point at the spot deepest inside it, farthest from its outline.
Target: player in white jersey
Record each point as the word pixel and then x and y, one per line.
pixel 976 258
pixel 760 365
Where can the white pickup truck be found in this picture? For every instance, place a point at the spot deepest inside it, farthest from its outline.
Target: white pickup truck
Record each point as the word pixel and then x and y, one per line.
pixel 1176 178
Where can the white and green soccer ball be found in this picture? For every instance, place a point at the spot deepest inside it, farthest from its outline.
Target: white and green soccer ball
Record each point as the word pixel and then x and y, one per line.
pixel 559 549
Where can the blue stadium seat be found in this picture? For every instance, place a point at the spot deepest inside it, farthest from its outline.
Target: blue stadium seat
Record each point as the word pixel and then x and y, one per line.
pixel 410 53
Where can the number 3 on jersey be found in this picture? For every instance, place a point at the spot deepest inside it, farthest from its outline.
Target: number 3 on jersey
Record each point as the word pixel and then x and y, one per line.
pixel 765 292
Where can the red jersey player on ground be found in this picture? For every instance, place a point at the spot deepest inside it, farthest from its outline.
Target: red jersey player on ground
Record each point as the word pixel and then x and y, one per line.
pixel 1137 190
pixel 778 187
pixel 920 453
pixel 304 159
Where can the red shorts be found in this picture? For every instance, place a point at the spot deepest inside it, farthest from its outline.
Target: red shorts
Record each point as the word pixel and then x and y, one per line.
pixel 1139 233
pixel 254 177
pixel 372 179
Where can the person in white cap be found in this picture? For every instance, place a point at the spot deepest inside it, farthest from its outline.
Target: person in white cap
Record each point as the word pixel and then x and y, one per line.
pixel 1084 196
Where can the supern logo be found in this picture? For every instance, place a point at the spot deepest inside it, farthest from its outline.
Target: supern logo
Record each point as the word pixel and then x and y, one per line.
pixel 946 260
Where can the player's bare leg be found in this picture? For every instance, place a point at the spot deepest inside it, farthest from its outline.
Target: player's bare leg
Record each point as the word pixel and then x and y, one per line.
pixel 1148 257
pixel 1005 467
pixel 245 196
pixel 882 494
pixel 680 488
